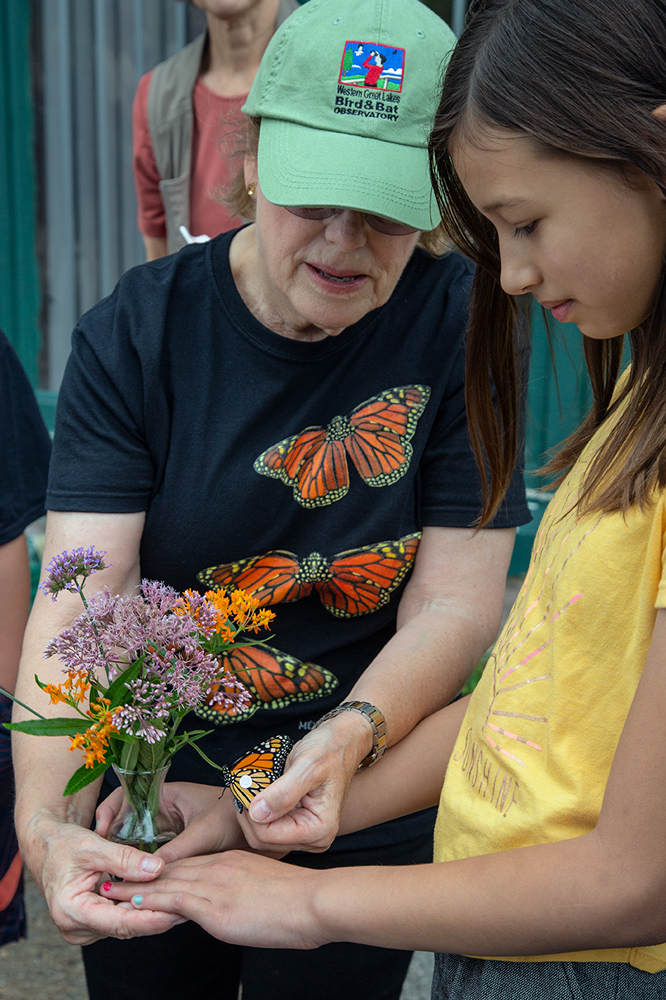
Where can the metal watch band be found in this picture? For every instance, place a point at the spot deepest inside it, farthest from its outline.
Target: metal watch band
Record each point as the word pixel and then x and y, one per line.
pixel 377 721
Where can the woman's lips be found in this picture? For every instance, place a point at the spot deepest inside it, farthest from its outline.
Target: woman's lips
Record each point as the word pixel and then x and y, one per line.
pixel 334 279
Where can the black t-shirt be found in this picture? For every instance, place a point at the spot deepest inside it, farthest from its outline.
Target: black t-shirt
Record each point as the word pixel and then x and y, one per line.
pixel 240 443
pixel 25 447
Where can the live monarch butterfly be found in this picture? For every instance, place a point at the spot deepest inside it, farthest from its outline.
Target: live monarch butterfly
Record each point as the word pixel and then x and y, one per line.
pixel 255 770
pixel 275 679
pixel 352 583
pixel 376 437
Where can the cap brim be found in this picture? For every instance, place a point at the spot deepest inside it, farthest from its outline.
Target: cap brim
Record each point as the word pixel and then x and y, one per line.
pixel 299 165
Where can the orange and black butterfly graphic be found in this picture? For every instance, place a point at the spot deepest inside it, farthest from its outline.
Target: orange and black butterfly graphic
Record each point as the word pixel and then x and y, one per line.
pixel 375 436
pixel 274 679
pixel 256 770
pixel 355 582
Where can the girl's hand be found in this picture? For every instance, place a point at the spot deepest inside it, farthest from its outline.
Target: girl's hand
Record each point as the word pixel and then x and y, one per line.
pixel 301 810
pixel 238 897
pixel 209 822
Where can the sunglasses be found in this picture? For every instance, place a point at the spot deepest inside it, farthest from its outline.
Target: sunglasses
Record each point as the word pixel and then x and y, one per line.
pixel 376 222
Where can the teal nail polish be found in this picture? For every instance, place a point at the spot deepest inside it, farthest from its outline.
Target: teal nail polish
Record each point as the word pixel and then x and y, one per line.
pixel 137 900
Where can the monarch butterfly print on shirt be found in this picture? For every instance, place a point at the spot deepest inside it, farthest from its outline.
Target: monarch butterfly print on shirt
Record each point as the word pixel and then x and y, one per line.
pixel 375 436
pixel 256 770
pixel 352 583
pixel 274 679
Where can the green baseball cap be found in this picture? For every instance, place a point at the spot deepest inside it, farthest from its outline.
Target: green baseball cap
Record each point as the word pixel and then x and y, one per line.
pixel 347 92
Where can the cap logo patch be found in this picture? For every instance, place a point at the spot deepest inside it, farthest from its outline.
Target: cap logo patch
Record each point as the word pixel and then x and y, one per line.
pixel 370 64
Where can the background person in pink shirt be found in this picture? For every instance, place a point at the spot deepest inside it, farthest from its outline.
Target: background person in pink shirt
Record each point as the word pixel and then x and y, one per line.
pixel 217 70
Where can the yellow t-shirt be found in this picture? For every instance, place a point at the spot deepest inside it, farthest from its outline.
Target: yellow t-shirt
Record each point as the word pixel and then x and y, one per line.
pixel 532 759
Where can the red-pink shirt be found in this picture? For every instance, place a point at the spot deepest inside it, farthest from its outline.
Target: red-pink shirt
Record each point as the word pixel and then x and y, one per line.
pixel 217 129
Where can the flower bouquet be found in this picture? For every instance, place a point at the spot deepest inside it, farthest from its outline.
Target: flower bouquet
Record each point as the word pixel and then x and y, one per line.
pixel 134 667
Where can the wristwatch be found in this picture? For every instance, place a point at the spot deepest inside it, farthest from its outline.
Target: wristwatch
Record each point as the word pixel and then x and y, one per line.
pixel 377 721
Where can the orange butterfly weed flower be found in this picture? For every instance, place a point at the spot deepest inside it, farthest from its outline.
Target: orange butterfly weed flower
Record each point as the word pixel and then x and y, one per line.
pixel 76 687
pixel 238 609
pixel 95 740
pixel 260 619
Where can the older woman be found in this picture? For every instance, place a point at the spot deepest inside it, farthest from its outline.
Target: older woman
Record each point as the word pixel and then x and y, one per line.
pixel 291 388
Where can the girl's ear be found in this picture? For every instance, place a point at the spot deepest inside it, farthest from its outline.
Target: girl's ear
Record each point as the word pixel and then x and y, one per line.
pixel 660 112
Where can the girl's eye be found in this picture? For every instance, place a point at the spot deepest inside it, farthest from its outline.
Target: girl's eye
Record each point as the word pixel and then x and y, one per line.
pixel 526 230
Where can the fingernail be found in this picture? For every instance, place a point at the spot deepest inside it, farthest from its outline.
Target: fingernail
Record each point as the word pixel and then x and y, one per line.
pixel 107 886
pixel 259 811
pixel 137 900
pixel 150 865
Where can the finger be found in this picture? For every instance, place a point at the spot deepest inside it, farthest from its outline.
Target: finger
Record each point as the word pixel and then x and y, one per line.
pixel 310 827
pixel 192 841
pixel 107 811
pixel 280 797
pixel 124 862
pixel 179 904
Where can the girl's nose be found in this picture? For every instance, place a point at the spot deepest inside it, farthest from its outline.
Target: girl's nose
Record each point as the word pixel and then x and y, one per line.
pixel 519 274
pixel 347 229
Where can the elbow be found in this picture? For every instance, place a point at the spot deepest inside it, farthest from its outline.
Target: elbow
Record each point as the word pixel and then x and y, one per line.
pixel 647 914
pixel 637 905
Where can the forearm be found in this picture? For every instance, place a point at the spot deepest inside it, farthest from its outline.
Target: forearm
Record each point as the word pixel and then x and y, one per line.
pixel 44 764
pixel 14 607
pixel 424 666
pixel 410 775
pixel 548 899
pixel 449 614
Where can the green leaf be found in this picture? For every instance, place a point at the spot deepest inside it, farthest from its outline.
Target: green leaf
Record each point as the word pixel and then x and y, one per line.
pixel 117 692
pixel 218 767
pixel 85 775
pixel 129 756
pixel 151 756
pixel 50 727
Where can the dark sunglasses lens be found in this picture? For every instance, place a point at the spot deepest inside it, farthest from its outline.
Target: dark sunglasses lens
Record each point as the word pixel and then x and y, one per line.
pixel 377 222
pixel 388 227
pixel 313 214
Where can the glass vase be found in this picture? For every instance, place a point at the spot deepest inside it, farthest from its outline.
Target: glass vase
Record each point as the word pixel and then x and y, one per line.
pixel 142 822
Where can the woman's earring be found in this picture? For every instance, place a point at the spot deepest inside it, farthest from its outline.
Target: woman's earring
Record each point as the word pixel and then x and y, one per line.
pixel 250 190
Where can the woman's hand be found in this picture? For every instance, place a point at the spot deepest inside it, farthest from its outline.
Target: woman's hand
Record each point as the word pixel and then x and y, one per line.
pixel 72 863
pixel 209 822
pixel 238 897
pixel 301 810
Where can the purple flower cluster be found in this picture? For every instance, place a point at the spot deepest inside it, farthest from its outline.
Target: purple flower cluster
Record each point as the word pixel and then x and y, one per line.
pixel 176 672
pixel 68 570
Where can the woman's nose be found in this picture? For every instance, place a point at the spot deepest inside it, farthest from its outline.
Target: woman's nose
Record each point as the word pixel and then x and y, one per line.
pixel 519 274
pixel 347 229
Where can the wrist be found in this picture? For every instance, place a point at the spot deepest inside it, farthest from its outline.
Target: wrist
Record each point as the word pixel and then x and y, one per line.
pixel 372 721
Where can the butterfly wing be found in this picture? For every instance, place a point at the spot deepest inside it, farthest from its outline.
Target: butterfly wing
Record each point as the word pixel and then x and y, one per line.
pixel 311 463
pixel 381 429
pixel 271 578
pixel 256 770
pixel 275 679
pixel 362 580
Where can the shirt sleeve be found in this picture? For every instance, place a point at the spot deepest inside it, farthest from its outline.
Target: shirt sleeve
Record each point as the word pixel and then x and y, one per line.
pixel 25 448
pixel 151 219
pixel 101 461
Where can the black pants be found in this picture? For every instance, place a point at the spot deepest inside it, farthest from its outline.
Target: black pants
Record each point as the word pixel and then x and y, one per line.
pixel 186 963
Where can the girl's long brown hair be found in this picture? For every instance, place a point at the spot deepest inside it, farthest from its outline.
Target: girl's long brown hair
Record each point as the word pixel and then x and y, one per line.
pixel 582 77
